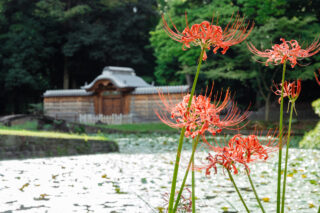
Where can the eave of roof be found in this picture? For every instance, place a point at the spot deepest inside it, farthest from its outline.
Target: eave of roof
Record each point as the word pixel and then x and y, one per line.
pixel 68 92
pixel 137 91
pixel 164 89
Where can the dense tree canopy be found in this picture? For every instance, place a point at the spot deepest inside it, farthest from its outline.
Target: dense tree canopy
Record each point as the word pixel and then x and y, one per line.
pixel 48 44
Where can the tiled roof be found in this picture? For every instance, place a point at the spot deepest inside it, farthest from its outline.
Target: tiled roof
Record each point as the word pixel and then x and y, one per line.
pixel 67 92
pixel 137 91
pixel 121 77
pixel 164 89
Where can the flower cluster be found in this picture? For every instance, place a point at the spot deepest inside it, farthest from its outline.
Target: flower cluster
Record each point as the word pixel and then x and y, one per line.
pixel 291 90
pixel 202 115
pixel 286 51
pixel 207 35
pixel 240 150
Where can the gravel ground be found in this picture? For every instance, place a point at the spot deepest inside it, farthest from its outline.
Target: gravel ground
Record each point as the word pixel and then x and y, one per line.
pixel 136 179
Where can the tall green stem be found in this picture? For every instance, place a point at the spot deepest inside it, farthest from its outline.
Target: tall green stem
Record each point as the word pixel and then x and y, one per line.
pixel 193 188
pixel 254 191
pixel 194 146
pixel 235 186
pixel 286 159
pixel 280 140
pixel 176 166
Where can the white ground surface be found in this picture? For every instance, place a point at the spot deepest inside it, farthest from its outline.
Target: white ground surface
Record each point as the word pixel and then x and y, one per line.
pixel 135 179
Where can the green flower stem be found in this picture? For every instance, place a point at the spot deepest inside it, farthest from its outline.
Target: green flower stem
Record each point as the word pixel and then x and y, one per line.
pixel 286 159
pixel 193 188
pixel 194 146
pixel 280 140
pixel 176 166
pixel 235 186
pixel 175 172
pixel 254 191
pixel 319 210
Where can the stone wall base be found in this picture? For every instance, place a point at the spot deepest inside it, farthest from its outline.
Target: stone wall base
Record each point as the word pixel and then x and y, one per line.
pixel 16 147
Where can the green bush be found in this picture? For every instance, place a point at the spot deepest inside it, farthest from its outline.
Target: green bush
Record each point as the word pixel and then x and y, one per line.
pixel 311 139
pixel 35 109
pixel 316 106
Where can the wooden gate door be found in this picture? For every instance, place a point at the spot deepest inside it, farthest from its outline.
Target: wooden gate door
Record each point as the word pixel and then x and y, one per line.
pixel 112 105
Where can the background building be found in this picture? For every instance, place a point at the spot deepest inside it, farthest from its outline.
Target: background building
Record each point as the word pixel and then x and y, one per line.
pixel 117 94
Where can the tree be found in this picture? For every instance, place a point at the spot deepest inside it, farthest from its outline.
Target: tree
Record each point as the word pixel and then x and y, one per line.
pixel 114 33
pixel 64 43
pixel 170 57
pixel 236 66
pixel 25 47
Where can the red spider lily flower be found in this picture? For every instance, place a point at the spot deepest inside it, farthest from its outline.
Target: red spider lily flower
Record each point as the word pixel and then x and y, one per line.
pixel 207 35
pixel 185 202
pixel 317 79
pixel 255 148
pixel 203 115
pixel 286 51
pixel 228 158
pixel 241 150
pixel 290 90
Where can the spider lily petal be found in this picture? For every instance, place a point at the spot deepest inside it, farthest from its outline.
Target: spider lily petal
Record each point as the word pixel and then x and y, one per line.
pixel 207 35
pixel 203 114
pixel 289 51
pixel 241 150
pixel 291 90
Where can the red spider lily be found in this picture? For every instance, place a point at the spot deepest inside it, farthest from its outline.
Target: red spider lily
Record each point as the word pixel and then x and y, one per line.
pixel 317 79
pixel 207 35
pixel 185 202
pixel 290 90
pixel 287 51
pixel 203 115
pixel 241 150
pixel 255 148
pixel 226 158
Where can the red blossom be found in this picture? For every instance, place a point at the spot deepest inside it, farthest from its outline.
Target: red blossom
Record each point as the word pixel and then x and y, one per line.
pixel 291 90
pixel 207 35
pixel 228 157
pixel 317 79
pixel 286 51
pixel 241 150
pixel 203 114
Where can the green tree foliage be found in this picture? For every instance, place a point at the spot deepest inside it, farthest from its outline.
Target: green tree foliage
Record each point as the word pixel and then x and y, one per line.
pixel 24 50
pixel 273 20
pixel 46 42
pixel 107 32
pixel 262 10
pixel 170 57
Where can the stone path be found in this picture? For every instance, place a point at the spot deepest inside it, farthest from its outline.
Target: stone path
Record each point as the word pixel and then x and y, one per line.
pixel 135 180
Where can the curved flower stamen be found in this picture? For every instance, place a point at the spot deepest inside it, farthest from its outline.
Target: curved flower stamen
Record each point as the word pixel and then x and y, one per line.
pixel 291 90
pixel 203 114
pixel 241 150
pixel 289 51
pixel 207 35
